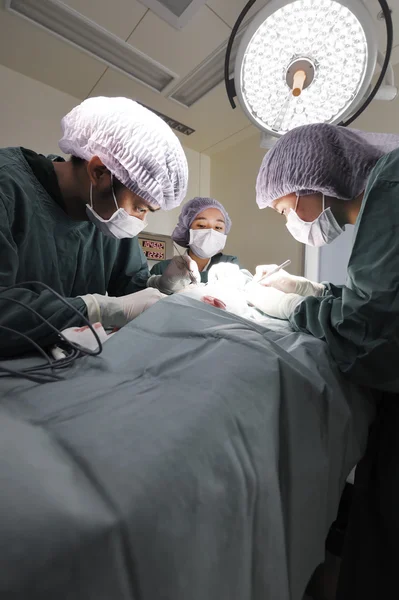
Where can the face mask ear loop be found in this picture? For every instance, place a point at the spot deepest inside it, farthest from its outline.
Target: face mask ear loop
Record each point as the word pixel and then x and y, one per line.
pixel 324 203
pixel 296 203
pixel 113 192
pixel 91 195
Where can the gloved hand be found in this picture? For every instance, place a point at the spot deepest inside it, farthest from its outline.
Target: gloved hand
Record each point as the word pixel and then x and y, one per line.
pixel 228 274
pixel 176 275
pixel 116 312
pixel 290 284
pixel 271 301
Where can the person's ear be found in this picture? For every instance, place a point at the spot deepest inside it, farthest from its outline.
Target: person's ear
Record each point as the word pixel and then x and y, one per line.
pixel 98 174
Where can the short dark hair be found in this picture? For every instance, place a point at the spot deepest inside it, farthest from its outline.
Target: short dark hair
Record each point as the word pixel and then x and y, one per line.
pixel 118 185
pixel 76 160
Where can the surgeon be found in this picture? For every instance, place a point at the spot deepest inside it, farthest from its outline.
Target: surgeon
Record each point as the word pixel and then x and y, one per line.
pixel 320 178
pixel 202 231
pixel 73 225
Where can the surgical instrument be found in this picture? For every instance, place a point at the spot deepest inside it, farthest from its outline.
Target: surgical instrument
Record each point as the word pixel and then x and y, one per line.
pixel 192 276
pixel 275 270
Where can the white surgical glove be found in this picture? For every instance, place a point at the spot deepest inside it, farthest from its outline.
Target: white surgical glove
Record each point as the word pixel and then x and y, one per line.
pixel 290 284
pixel 116 312
pixel 176 275
pixel 227 274
pixel 271 301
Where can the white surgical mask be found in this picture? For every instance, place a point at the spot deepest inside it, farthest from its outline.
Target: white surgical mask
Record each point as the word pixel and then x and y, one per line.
pixel 319 232
pixel 120 225
pixel 205 243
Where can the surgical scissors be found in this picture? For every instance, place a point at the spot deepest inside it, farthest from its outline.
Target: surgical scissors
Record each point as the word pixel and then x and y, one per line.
pixel 191 274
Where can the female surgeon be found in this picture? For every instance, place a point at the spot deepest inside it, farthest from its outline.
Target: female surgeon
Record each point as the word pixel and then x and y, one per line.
pixel 320 178
pixel 202 229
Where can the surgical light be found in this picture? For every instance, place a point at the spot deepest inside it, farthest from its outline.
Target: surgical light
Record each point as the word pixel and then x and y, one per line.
pixel 307 61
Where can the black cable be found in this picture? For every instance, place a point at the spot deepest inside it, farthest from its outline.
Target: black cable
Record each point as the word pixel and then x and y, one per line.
pixel 389 28
pixel 39 378
pixel 229 83
pixel 47 322
pixel 64 301
pixel 9 370
pixel 34 373
pixel 26 337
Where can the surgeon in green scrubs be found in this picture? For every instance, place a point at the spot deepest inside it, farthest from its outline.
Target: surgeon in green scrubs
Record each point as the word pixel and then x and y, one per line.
pixel 201 232
pixel 73 225
pixel 320 178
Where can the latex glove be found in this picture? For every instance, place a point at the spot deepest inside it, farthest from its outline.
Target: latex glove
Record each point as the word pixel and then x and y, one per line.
pixel 290 284
pixel 271 301
pixel 176 275
pixel 228 274
pixel 116 312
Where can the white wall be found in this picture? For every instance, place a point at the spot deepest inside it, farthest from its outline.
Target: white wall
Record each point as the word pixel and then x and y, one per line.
pixel 257 236
pixel 198 185
pixel 329 263
pixel 30 115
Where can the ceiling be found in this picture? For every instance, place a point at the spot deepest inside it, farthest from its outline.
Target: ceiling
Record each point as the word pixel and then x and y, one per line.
pixel 37 54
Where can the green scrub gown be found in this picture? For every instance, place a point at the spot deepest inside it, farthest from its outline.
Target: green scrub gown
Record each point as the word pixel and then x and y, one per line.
pixel 39 242
pixel 360 323
pixel 160 267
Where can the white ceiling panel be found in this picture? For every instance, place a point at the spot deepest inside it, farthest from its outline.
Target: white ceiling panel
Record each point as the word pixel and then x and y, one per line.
pixel 215 120
pixel 120 17
pixel 229 10
pixel 38 54
pixel 212 117
pixel 232 140
pixel 175 12
pixel 182 50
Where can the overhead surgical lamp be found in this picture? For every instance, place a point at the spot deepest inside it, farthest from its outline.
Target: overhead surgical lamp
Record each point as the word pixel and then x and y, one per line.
pixel 308 61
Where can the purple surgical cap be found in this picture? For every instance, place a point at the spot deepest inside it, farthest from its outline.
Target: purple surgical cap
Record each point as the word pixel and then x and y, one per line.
pixel 322 158
pixel 136 145
pixel 181 233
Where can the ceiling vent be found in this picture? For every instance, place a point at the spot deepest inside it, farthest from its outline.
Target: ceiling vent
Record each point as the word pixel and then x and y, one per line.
pixel 206 76
pixel 175 12
pixel 69 25
pixel 173 124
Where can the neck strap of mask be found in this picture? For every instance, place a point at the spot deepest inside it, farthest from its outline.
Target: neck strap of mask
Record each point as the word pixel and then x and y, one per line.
pixel 113 193
pixel 322 198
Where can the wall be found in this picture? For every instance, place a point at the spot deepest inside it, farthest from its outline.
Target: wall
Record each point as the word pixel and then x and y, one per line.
pixel 380 116
pixel 198 185
pixel 330 262
pixel 257 237
pixel 30 115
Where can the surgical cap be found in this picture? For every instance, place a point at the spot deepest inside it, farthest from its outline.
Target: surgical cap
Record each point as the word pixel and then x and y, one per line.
pixel 191 210
pixel 136 145
pixel 321 158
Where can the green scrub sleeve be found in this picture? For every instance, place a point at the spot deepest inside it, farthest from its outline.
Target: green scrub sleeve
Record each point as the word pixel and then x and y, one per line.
pixel 232 259
pixel 159 267
pixel 359 321
pixel 130 273
pixel 15 316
